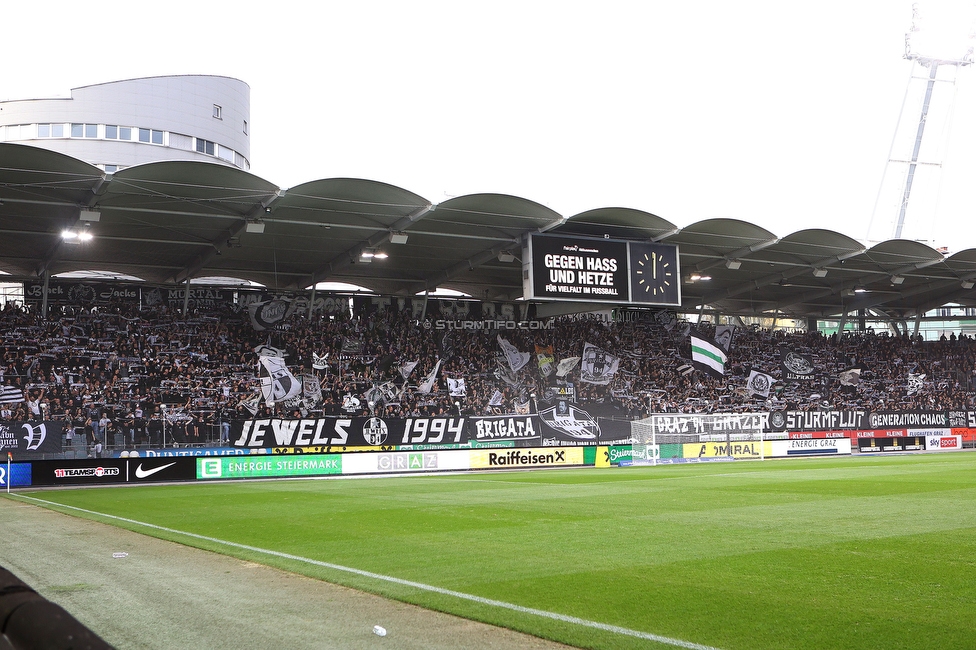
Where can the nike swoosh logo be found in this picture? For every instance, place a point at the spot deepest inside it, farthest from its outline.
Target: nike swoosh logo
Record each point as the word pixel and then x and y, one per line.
pixel 143 473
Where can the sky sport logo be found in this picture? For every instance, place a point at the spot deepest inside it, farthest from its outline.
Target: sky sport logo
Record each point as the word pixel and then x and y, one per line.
pixel 86 472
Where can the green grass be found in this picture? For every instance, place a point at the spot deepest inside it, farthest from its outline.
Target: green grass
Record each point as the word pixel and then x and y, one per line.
pixel 874 552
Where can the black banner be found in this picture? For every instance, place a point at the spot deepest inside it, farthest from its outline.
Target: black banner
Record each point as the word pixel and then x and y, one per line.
pixel 207 298
pixel 615 432
pixel 439 309
pixel 719 423
pixel 31 437
pixel 795 366
pixel 818 420
pixel 81 293
pixel 504 427
pixel 909 420
pixel 565 422
pixel 347 432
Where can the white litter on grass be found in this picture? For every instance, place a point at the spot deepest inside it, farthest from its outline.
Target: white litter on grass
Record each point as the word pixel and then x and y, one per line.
pixel 119 555
pixel 379 630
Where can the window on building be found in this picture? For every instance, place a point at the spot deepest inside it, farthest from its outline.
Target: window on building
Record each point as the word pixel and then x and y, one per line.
pixel 111 132
pixel 151 135
pixel 57 130
pixel 217 112
pixel 44 130
pixel 125 133
pixel 245 127
pixel 206 146
pixel 84 130
pixel 111 169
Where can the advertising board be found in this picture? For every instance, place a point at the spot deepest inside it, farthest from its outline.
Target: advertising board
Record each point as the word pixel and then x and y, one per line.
pixel 224 467
pixel 584 269
pixel 19 475
pixel 523 458
pixel 402 462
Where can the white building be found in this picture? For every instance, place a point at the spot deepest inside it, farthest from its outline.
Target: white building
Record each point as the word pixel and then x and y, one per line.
pixel 124 123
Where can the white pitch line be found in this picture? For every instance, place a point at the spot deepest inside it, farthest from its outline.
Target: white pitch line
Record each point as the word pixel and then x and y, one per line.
pixel 400 581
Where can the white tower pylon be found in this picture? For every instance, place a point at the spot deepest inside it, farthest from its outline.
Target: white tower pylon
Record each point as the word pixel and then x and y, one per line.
pixel 940 42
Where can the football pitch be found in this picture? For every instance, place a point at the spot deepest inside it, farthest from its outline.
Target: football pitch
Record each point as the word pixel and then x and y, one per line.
pixel 862 552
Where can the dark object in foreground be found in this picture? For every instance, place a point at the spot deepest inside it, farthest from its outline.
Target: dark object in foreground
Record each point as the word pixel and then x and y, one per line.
pixel 28 621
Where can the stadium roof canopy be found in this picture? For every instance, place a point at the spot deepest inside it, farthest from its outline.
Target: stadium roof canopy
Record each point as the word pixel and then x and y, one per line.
pixel 165 222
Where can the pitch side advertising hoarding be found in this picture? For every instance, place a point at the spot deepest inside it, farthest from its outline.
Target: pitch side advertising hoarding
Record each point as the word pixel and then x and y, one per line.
pixel 600 270
pixel 19 476
pixel 91 471
pixel 222 467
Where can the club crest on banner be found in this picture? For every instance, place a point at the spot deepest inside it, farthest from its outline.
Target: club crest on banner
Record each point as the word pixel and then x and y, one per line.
pixel 35 435
pixel 571 421
pixel 375 431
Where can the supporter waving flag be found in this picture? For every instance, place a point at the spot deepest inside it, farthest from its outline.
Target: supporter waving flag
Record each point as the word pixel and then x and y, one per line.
pixel 428 383
pixel 759 383
pixel 516 359
pixel 707 356
pixel 11 395
pixel 277 382
pixel 598 366
pixel 546 358
pixel 407 367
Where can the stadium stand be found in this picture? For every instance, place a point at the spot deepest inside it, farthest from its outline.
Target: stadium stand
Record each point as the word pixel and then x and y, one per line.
pixel 122 377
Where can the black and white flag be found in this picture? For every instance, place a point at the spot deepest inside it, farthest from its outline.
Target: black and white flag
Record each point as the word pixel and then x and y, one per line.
pixel 269 313
pixel 915 382
pixel 516 359
pixel 407 368
pixel 597 365
pixel 759 383
pixel 11 395
pixel 456 387
pixel 796 366
pixel 277 382
pixel 428 383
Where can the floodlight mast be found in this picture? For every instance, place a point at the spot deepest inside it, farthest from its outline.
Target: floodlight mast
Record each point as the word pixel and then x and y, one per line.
pixel 935 39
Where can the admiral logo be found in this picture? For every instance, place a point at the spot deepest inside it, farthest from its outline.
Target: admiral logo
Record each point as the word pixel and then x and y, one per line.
pixel 86 472
pixel 518 458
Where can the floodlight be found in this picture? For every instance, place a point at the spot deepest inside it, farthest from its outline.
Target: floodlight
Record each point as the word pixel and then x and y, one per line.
pixel 967 284
pixel 398 238
pixel 506 257
pixel 732 265
pixel 820 273
pixel 941 33
pixel 897 279
pixel 89 215
pixel 255 226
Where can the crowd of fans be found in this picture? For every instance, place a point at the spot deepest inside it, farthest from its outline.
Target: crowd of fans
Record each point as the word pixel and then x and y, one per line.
pixel 118 373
